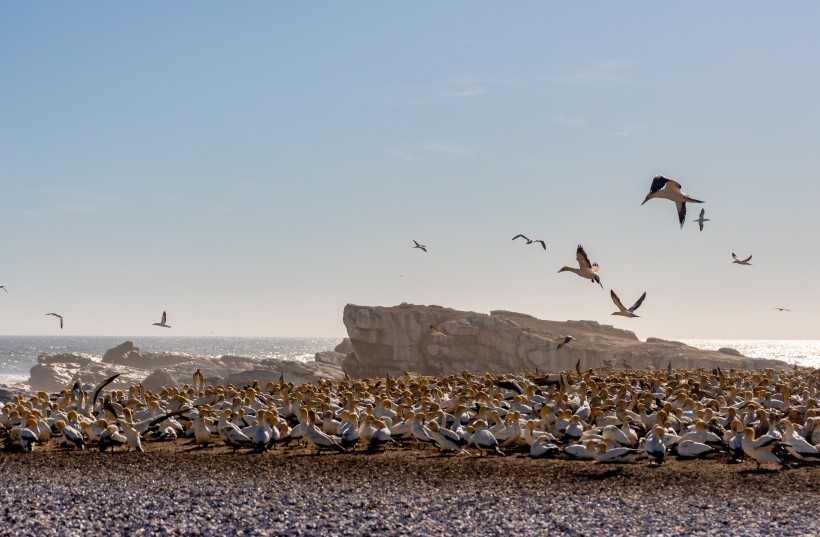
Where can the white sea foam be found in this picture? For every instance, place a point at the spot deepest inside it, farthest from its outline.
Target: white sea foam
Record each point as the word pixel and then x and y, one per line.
pixel 803 352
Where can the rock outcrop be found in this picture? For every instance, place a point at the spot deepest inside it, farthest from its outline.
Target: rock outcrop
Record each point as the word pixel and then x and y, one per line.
pixel 156 370
pixel 398 339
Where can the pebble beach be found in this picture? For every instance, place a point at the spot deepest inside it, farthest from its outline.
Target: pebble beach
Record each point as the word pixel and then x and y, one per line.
pixel 177 488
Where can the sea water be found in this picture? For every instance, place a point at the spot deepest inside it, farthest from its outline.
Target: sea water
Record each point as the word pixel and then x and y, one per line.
pixel 19 353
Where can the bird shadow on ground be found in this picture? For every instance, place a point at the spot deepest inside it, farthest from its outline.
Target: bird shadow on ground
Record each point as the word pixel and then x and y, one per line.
pixel 760 471
pixel 615 472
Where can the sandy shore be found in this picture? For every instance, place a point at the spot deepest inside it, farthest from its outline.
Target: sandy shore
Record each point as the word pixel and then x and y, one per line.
pixel 174 488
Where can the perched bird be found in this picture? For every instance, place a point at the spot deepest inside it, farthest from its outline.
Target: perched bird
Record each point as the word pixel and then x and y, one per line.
pixel 58 316
pixel 162 322
pixel 700 220
pixel 622 311
pixel 663 187
pixel 420 246
pixel 741 261
pixel 530 241
pixel 563 341
pixel 587 270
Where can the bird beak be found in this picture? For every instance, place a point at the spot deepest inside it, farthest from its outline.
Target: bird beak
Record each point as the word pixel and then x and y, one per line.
pixel 645 200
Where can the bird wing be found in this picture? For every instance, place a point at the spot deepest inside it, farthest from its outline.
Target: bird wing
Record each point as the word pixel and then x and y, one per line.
pixel 164 317
pixel 519 235
pixel 417 243
pixel 747 259
pixel 582 258
pixel 423 248
pixel 681 205
pixel 735 257
pixel 616 300
pixel 542 243
pixel 637 304
pixel 104 383
pixel 660 182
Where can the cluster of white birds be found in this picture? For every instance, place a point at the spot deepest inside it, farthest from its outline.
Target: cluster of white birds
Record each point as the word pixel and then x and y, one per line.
pixel 608 416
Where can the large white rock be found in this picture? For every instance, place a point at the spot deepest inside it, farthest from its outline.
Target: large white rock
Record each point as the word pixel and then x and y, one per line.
pixel 397 339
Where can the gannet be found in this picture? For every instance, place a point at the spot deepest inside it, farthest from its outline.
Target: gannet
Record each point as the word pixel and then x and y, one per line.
pixel 563 341
pixel 701 219
pixel 655 448
pixel 739 261
pixel 71 436
pixel 317 438
pixel 689 449
pixel 111 437
pixel 162 322
pixel 419 246
pixel 587 270
pixel 582 452
pixel 3 287
pixel 484 439
pixel 58 316
pixel 543 447
pixel 622 311
pixel 530 241
pixel 761 449
pixel 435 332
pixel 796 444
pixel 132 436
pixel 663 187
pixel 22 437
pixel 615 455
pixel 446 439
pixel 781 309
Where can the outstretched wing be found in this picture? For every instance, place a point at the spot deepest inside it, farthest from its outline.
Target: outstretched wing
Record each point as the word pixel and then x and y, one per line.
pixel 104 383
pixel 520 235
pixel 660 182
pixel 616 300
pixel 747 259
pixel 637 304
pixel 582 258
pixel 542 243
pixel 164 317
pixel 681 205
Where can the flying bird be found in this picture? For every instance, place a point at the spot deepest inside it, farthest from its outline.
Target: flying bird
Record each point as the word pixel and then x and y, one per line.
pixel 58 316
pixel 782 309
pixel 700 220
pixel 421 246
pixel 3 287
pixel 587 270
pixel 530 241
pixel 664 187
pixel 563 341
pixel 741 261
pixel 162 322
pixel 435 331
pixel 622 311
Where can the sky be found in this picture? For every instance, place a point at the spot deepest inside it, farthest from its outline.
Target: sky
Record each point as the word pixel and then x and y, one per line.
pixel 251 168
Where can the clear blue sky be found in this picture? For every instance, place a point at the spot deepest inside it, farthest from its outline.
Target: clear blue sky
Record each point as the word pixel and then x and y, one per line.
pixel 253 167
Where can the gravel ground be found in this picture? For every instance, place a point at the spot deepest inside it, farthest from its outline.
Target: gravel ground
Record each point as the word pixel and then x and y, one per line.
pixel 176 489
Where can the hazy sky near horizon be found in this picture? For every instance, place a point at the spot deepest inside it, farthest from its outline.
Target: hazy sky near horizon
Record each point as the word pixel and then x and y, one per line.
pixel 251 168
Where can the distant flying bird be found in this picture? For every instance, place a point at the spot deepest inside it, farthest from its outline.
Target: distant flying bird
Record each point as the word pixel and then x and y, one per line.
pixel 782 309
pixel 563 341
pixel 587 270
pixel 162 322
pixel 664 187
pixel 622 311
pixel 3 287
pixel 741 261
pixel 700 220
pixel 59 316
pixel 530 241
pixel 421 246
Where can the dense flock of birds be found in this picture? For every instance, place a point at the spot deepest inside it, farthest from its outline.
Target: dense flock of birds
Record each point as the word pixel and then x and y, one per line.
pixel 608 416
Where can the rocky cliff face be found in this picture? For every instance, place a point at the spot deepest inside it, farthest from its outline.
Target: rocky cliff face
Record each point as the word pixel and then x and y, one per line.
pixel 397 339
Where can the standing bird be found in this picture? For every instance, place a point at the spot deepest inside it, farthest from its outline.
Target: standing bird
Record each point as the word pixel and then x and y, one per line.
pixel 622 311
pixel 741 261
pixel 664 187
pixel 700 220
pixel 420 246
pixel 587 270
pixel 530 241
pixel 58 316
pixel 162 322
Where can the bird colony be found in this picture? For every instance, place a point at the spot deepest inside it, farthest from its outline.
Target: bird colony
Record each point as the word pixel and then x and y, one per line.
pixel 609 416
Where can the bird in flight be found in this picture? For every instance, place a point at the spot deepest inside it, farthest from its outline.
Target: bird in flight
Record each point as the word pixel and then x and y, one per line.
pixel 782 309
pixel 420 246
pixel 587 270
pixel 563 341
pixel 162 322
pixel 530 241
pixel 622 311
pixel 664 187
pixel 3 287
pixel 435 331
pixel 700 220
pixel 741 261
pixel 58 316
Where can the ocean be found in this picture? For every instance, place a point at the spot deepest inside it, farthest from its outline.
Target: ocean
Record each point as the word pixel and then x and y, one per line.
pixel 19 353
